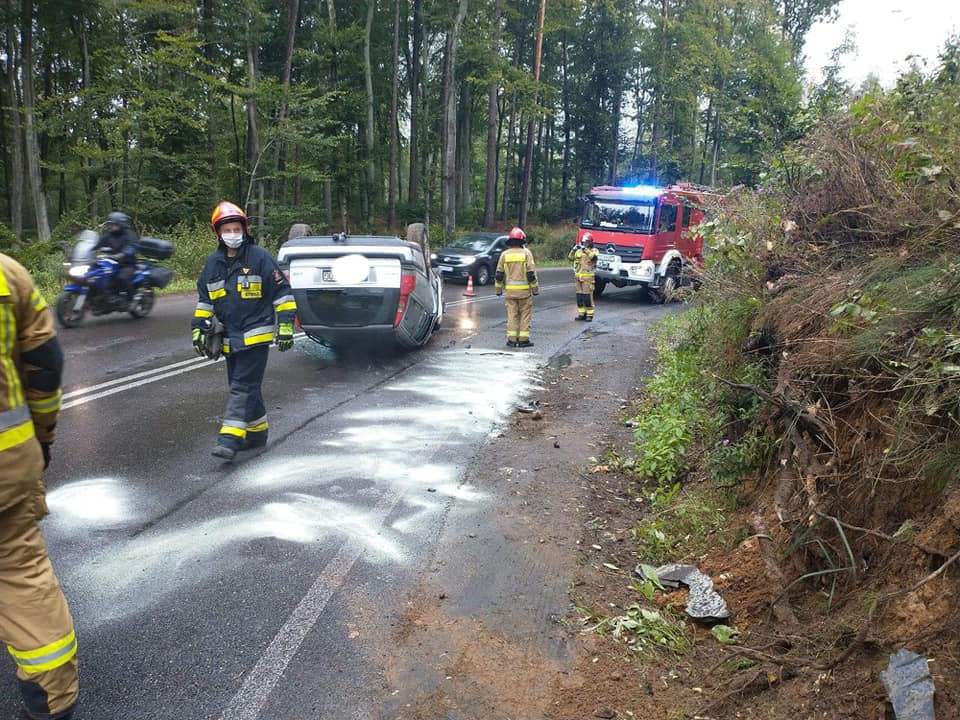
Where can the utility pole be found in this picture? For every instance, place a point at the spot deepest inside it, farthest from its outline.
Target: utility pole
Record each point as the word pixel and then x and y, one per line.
pixel 528 164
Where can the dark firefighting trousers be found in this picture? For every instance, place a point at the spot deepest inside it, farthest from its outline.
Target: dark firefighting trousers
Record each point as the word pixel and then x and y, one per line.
pixel 35 622
pixel 585 283
pixel 519 314
pixel 245 420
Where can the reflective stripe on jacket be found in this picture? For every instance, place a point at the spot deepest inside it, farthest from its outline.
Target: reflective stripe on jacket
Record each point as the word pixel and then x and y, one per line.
pixel 517 272
pixel 584 261
pixel 246 293
pixel 30 364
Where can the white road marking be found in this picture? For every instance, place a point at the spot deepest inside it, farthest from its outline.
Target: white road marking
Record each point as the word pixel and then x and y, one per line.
pixel 129 382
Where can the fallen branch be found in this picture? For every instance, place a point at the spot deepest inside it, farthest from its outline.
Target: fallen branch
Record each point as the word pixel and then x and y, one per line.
pixel 825 432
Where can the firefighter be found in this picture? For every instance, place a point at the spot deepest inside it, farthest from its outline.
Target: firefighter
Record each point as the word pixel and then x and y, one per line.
pixel 242 287
pixel 584 256
pixel 35 622
pixel 517 273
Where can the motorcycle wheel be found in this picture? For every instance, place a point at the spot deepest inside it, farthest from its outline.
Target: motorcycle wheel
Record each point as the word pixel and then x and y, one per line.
pixel 143 303
pixel 67 313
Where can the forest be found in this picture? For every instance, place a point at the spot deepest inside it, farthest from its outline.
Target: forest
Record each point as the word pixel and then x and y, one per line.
pixel 371 114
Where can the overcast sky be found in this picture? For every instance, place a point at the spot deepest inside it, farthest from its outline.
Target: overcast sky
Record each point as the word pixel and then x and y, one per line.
pixel 886 32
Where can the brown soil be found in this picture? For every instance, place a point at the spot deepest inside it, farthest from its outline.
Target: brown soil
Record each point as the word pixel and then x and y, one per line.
pixel 506 637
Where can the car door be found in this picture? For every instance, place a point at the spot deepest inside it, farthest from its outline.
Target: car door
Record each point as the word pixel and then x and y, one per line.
pixel 496 250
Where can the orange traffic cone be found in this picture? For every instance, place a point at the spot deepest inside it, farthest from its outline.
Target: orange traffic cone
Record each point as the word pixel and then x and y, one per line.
pixel 469 291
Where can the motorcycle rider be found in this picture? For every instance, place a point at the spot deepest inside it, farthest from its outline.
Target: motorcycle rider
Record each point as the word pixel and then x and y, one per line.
pixel 35 621
pixel 119 239
pixel 517 272
pixel 584 256
pixel 242 287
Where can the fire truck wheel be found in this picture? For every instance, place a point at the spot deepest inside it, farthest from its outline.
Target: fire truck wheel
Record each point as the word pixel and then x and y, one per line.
pixel 598 285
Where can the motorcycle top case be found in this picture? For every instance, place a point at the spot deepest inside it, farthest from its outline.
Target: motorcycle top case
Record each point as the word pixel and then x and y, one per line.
pixel 155 248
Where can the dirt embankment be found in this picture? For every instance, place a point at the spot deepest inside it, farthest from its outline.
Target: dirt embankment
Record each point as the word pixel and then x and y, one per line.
pixel 500 626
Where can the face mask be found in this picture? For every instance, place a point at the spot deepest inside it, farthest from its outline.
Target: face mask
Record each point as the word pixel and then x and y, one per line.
pixel 232 240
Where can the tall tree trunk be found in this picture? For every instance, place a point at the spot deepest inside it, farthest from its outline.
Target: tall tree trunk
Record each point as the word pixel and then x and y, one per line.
pixel 32 147
pixel 716 149
pixel 328 182
pixel 280 151
pixel 493 154
pixel 508 163
pixel 448 184
pixel 615 135
pixel 528 162
pixel 659 91
pixel 15 141
pixel 370 185
pixel 565 176
pixel 464 146
pixel 253 133
pixel 394 168
pixel 416 73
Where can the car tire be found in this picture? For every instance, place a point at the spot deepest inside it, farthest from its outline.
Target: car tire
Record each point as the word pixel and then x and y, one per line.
pixel 482 275
pixel 599 285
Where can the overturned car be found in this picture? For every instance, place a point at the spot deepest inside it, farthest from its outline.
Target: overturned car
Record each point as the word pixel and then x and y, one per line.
pixel 365 287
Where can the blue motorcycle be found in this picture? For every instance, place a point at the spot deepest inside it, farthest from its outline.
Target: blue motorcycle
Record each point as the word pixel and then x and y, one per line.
pixel 90 280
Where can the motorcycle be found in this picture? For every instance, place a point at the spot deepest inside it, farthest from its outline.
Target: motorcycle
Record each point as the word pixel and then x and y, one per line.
pixel 90 280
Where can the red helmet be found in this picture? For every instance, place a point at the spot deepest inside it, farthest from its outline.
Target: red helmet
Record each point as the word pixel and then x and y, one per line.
pixel 227 212
pixel 586 238
pixel 517 234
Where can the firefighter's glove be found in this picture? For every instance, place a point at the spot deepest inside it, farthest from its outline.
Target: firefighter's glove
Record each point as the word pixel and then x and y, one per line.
pixel 45 446
pixel 199 341
pixel 285 337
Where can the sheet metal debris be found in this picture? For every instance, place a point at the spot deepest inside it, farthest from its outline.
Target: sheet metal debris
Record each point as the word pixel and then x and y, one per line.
pixel 705 603
pixel 909 686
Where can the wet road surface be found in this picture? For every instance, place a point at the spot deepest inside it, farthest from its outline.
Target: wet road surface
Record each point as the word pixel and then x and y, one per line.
pixel 210 590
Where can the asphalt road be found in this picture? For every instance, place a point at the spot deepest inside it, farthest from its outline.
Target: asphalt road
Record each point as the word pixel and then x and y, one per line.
pixel 228 591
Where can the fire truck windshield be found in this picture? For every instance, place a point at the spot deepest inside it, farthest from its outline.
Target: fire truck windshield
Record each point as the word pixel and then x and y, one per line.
pixel 619 216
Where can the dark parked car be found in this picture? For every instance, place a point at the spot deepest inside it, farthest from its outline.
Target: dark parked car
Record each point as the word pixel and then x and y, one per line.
pixel 473 254
pixel 354 287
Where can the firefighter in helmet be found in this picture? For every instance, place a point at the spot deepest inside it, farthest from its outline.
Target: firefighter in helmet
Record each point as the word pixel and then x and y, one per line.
pixel 35 622
pixel 584 256
pixel 517 273
pixel 242 292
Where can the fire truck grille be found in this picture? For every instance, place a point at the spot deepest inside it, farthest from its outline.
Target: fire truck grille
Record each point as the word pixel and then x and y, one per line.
pixel 627 253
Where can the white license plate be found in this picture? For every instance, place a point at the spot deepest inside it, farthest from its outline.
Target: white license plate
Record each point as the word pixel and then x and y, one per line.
pixel 606 257
pixel 445 268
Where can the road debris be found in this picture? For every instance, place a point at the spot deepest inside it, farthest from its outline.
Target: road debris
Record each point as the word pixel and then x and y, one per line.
pixel 704 604
pixel 909 685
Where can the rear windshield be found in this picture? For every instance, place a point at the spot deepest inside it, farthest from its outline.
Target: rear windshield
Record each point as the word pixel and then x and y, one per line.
pixel 625 217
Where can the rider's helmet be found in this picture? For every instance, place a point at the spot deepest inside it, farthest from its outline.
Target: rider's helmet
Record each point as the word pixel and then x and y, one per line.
pixel 226 212
pixel 516 237
pixel 117 222
pixel 587 239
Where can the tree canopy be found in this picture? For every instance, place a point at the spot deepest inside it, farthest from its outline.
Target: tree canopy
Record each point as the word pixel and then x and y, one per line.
pixel 349 115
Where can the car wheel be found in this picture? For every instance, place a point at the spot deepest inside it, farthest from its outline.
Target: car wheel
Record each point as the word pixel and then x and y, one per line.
pixel 599 285
pixel 482 275
pixel 668 284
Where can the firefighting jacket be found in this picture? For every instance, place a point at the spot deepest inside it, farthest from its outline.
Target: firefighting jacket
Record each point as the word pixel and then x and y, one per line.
pixel 245 292
pixel 31 363
pixel 584 261
pixel 516 273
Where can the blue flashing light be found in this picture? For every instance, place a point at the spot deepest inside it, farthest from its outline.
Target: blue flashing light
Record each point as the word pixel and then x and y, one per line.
pixel 644 190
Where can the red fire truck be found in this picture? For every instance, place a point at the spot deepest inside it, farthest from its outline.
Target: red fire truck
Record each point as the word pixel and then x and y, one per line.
pixel 644 234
